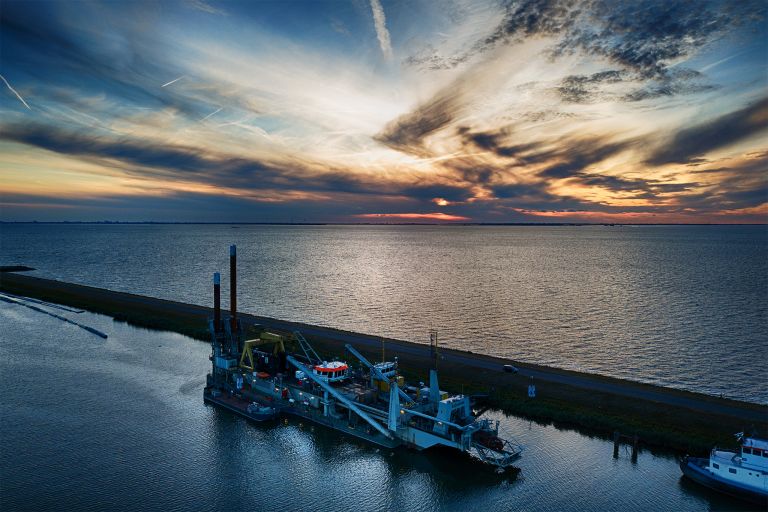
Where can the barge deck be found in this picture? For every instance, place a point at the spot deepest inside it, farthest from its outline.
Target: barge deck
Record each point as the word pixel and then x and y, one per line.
pixel 370 401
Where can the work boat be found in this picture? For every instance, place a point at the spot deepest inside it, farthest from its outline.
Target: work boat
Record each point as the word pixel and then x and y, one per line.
pixel 261 380
pixel 743 474
pixel 372 402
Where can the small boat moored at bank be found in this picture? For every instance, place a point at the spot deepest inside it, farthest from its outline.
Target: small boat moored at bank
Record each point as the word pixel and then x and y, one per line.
pixel 743 474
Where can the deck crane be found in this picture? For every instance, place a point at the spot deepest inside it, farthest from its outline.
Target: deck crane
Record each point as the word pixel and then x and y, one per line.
pixel 312 356
pixel 375 371
pixel 340 397
pixel 247 358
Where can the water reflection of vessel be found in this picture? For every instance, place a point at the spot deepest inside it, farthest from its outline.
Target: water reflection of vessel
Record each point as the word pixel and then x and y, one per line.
pixel 259 412
pixel 743 474
pixel 371 402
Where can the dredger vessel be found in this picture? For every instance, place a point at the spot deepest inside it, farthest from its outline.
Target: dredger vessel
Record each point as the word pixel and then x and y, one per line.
pixel 259 379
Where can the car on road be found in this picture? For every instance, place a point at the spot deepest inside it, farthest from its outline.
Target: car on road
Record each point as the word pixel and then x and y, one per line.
pixel 510 369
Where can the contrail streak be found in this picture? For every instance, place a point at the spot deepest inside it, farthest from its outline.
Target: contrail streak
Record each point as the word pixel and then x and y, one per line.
pixel 380 23
pixel 173 81
pixel 14 92
pixel 212 113
pixel 710 66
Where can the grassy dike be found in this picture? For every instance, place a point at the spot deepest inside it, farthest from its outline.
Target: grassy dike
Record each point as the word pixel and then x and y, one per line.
pixel 657 424
pixel 660 423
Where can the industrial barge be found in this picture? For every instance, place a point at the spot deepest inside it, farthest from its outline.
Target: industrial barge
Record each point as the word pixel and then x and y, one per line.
pixel 260 380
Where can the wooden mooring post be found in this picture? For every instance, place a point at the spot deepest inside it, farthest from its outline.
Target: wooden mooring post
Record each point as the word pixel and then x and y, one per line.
pixel 634 440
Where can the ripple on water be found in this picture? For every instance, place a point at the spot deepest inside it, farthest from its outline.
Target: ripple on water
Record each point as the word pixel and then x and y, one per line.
pixel 110 425
pixel 659 304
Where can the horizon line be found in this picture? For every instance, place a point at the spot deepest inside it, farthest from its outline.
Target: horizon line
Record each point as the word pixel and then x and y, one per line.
pixel 242 223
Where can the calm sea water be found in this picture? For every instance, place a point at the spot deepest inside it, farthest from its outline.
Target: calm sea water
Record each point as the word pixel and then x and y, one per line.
pixel 119 424
pixel 680 306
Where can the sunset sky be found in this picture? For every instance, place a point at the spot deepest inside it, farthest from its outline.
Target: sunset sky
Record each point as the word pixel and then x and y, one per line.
pixel 384 111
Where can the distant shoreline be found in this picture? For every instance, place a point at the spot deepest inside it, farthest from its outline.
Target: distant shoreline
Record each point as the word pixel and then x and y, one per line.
pixel 532 224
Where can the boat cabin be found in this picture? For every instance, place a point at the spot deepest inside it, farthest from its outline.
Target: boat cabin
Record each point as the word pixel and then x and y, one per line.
pixel 387 368
pixel 333 371
pixel 754 453
pixel 747 468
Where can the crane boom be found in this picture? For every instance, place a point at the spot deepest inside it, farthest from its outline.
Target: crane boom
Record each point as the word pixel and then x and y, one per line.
pixel 312 356
pixel 376 371
pixel 338 396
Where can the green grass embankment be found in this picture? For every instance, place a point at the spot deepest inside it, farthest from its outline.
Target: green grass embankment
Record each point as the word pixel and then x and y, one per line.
pixel 136 310
pixel 658 424
pixel 593 413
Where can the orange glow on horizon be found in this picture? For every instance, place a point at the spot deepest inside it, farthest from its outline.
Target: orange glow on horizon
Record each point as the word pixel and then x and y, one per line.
pixel 413 216
pixel 737 216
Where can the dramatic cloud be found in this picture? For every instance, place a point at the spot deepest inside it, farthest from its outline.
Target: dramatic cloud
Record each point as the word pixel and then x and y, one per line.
pixel 580 154
pixel 532 18
pixel 220 171
pixel 680 81
pixel 643 36
pixel 494 141
pixel 720 132
pixel 585 88
pixel 523 110
pixel 406 133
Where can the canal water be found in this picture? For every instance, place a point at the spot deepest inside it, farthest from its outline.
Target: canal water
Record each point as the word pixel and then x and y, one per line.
pixel 119 424
pixel 677 306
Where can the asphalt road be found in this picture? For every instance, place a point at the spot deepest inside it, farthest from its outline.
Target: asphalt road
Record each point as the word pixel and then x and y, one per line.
pixel 630 390
pixel 614 386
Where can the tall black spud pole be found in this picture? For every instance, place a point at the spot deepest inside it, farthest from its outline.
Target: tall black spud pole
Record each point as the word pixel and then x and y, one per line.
pixel 233 288
pixel 216 302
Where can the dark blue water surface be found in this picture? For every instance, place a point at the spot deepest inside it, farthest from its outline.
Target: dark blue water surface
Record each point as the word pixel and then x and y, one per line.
pixel 680 306
pixel 119 424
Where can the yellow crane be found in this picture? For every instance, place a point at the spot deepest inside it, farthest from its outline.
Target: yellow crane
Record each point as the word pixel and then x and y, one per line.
pixel 247 360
